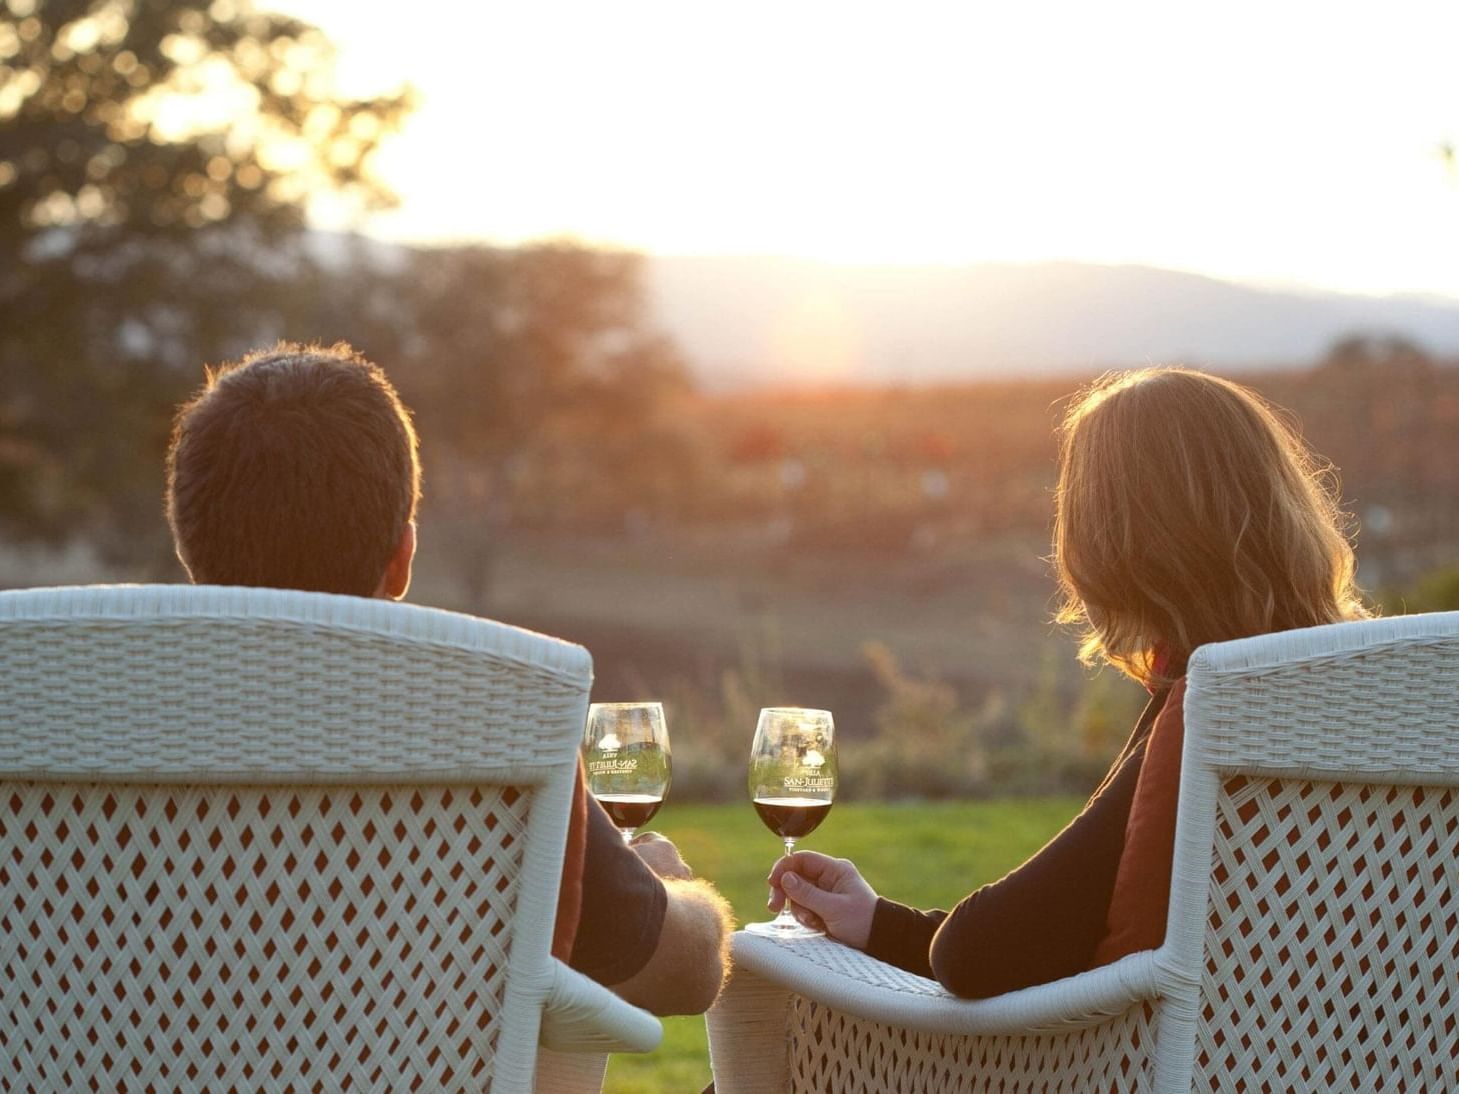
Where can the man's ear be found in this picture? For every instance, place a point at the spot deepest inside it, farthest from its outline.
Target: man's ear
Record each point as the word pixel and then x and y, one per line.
pixel 397 571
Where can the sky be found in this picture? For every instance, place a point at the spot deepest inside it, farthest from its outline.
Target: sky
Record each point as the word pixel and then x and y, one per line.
pixel 1287 143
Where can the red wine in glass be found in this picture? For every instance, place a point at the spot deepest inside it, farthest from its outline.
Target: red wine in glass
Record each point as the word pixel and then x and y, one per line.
pixel 792 818
pixel 792 785
pixel 626 757
pixel 630 811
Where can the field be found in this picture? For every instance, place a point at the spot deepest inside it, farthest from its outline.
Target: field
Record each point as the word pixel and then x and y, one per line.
pixel 929 855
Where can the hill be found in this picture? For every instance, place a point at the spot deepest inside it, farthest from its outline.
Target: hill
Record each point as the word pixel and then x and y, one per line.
pixel 750 321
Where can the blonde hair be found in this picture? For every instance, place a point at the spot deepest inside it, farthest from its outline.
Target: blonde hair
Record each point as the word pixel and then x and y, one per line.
pixel 1189 512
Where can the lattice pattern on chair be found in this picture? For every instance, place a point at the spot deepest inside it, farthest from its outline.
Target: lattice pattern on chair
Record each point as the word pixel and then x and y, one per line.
pixel 368 935
pixel 836 1053
pixel 1331 937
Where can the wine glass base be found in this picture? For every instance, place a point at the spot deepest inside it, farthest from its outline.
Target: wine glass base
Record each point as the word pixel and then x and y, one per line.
pixel 785 933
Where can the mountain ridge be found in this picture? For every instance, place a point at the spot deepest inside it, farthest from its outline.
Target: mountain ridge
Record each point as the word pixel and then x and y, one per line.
pixel 752 321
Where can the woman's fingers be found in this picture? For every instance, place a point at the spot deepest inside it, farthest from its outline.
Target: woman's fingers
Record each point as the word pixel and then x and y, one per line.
pixel 810 896
pixel 811 864
pixel 807 918
pixel 828 893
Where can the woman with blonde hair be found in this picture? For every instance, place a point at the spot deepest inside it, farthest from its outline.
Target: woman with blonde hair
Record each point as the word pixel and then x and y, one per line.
pixel 1188 511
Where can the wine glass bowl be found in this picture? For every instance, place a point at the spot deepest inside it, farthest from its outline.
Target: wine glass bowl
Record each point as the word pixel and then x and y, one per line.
pixel 792 784
pixel 627 761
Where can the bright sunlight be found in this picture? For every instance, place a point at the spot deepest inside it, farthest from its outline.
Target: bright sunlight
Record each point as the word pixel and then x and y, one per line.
pixel 1295 144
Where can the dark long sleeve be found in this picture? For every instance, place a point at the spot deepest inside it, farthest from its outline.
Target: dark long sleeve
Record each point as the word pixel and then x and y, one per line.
pixel 623 905
pixel 1038 923
pixel 902 936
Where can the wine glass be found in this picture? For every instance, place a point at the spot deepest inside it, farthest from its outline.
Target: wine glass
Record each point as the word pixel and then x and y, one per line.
pixel 626 753
pixel 792 783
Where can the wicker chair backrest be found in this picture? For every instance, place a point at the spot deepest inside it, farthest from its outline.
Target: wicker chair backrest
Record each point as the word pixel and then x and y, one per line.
pixel 253 838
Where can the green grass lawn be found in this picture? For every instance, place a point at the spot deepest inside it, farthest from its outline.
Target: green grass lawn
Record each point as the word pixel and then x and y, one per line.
pixel 928 855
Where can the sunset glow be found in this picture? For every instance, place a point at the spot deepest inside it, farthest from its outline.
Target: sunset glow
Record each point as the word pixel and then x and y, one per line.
pixel 1297 143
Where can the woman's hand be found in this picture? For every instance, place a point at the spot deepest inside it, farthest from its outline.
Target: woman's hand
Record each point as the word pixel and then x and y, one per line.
pixel 825 893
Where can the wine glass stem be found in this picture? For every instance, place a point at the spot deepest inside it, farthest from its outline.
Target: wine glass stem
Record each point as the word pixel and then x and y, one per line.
pixel 786 918
pixel 628 834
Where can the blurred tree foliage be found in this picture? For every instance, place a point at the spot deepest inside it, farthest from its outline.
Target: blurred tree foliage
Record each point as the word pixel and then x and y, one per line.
pixel 542 395
pixel 927 744
pixel 155 162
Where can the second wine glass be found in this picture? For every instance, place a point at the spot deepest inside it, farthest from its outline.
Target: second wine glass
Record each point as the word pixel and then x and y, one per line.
pixel 626 754
pixel 792 783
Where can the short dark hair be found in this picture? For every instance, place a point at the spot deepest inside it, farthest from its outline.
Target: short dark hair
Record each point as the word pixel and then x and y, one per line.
pixel 295 468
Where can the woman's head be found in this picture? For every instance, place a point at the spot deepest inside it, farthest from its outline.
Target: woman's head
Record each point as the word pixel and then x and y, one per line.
pixel 1189 512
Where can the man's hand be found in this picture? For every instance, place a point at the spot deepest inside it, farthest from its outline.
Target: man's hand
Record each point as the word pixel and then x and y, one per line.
pixel 661 856
pixel 826 893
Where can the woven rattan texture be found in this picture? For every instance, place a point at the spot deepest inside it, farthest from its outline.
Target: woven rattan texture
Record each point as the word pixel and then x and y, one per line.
pixel 242 938
pixel 841 960
pixel 1379 710
pixel 1331 938
pixel 96 698
pixel 836 1053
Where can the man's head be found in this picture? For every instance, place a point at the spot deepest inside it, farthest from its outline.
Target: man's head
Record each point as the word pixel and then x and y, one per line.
pixel 296 469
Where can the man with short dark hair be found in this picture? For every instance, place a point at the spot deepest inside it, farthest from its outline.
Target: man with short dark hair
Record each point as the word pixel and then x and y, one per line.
pixel 297 468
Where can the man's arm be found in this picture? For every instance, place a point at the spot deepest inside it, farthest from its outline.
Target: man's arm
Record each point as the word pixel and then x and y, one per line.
pixel 647 929
pixel 687 967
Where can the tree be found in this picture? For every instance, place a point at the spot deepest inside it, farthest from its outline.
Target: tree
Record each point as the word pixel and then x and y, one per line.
pixel 1389 352
pixel 542 393
pixel 156 160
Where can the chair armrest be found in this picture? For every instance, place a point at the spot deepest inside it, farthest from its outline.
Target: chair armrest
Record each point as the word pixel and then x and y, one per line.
pixel 848 980
pixel 816 1015
pixel 581 1015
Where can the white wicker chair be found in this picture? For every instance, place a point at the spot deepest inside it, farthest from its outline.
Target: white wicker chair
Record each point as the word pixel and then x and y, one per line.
pixel 1313 935
pixel 253 839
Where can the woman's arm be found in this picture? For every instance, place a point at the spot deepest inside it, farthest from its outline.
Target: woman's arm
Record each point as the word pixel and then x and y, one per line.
pixel 902 936
pixel 1036 924
pixel 1043 921
pixel 1039 923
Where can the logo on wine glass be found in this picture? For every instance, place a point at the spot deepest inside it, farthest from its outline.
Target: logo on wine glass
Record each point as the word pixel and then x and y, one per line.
pixel 609 762
pixel 616 766
pixel 626 756
pixel 810 782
